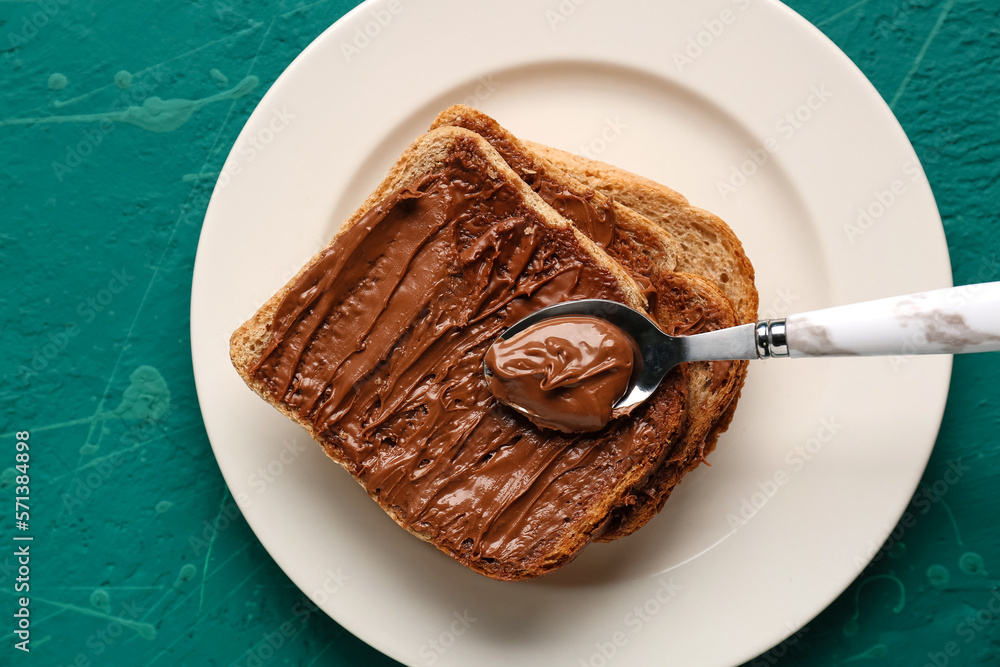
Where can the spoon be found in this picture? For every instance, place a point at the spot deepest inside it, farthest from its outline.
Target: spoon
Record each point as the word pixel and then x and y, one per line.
pixel 954 320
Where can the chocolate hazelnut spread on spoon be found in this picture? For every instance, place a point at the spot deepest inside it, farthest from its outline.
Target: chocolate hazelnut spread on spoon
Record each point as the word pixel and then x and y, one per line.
pixel 565 373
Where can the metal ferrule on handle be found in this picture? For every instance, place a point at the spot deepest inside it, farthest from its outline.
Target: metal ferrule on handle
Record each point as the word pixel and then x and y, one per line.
pixel 770 338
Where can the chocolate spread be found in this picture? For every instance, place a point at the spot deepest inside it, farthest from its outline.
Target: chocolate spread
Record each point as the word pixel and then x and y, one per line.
pixel 379 345
pixel 598 223
pixel 564 373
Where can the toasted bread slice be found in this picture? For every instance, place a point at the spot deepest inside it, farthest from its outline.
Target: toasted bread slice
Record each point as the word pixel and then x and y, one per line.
pixel 682 303
pixel 376 349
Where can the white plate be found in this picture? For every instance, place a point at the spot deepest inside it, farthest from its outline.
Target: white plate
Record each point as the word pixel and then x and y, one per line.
pixel 823 455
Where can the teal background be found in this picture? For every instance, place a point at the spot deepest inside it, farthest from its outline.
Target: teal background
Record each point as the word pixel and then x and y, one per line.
pixel 115 119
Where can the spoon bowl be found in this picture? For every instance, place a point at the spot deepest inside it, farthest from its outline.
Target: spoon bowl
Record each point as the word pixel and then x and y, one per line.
pixel 655 351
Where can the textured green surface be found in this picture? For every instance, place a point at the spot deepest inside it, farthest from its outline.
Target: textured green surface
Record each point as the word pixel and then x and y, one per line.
pixel 111 115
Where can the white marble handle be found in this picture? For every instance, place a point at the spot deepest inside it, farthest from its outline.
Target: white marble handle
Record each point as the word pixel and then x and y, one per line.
pixel 947 321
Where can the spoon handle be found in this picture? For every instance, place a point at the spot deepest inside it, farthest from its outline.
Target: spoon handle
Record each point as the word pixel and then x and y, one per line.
pixel 946 321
